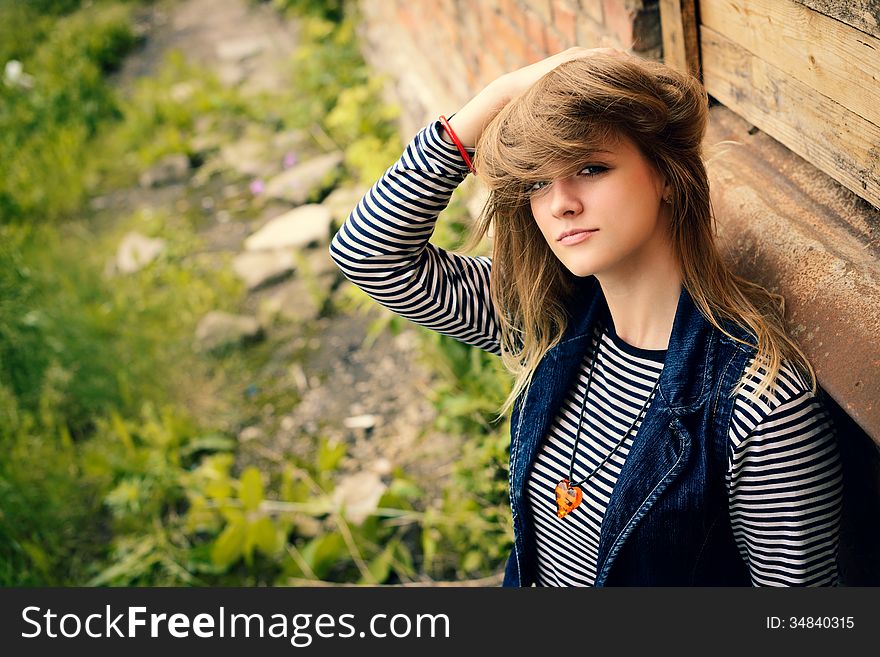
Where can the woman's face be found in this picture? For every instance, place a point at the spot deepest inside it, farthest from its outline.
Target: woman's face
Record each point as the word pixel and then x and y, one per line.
pixel 617 196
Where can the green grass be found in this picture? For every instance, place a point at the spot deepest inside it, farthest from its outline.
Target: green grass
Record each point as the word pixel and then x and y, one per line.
pixel 47 124
pixel 118 458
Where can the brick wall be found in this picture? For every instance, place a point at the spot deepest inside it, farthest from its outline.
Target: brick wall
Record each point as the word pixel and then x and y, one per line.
pixel 441 52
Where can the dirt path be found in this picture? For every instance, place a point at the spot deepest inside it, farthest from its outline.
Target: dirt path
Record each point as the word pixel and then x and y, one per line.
pixel 372 399
pixel 241 42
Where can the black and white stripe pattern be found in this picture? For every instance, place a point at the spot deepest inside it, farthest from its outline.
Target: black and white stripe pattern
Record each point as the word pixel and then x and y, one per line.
pixel 784 476
pixel 623 378
pixel 786 486
pixel 383 248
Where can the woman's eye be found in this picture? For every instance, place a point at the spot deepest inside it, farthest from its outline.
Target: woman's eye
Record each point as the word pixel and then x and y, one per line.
pixel 591 171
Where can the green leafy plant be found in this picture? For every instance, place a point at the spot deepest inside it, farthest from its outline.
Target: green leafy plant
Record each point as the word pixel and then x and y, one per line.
pixel 112 470
pixel 339 99
pixel 51 113
pixel 301 532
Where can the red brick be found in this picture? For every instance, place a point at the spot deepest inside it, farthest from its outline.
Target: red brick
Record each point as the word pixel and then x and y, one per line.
pixel 418 11
pixel 555 43
pixel 470 27
pixel 470 77
pixel 448 31
pixel 510 42
pixel 534 55
pixel 589 34
pixel 489 67
pixel 619 19
pixel 542 8
pixel 536 31
pixel 593 9
pixel 564 21
pixel 515 14
pixel 468 45
pixel 405 17
pixel 487 16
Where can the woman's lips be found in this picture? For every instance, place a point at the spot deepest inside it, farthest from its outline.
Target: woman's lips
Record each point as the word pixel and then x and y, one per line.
pixel 577 238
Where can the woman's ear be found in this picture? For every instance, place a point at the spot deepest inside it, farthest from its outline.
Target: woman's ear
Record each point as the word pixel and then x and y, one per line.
pixel 665 190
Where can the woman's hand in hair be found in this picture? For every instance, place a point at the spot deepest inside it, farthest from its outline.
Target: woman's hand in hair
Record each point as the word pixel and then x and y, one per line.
pixel 470 121
pixel 521 79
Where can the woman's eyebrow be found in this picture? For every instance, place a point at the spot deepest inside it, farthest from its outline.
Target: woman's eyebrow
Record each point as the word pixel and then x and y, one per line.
pixel 596 155
pixel 599 151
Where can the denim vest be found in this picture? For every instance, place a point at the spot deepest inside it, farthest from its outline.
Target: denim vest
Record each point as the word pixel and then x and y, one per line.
pixel 667 521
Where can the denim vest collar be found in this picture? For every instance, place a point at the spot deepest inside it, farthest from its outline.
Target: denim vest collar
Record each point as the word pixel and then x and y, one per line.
pixel 661 447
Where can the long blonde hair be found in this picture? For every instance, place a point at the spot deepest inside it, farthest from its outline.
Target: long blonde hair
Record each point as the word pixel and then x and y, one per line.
pixel 544 134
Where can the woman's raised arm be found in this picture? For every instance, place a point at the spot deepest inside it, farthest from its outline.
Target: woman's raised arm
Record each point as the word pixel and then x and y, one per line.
pixel 384 248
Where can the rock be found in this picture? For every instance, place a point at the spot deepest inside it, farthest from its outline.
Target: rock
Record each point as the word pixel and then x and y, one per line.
pixel 358 495
pixel 297 184
pixel 183 91
pixel 14 75
pixel 99 203
pixel 321 266
pixel 231 74
pixel 170 169
pixel 247 156
pixel 381 467
pixel 301 381
pixel 289 141
pixel 341 201
pixel 224 236
pixel 238 50
pixel 297 228
pixel 206 144
pixel 292 301
pixel 218 329
pixel 251 433
pixel 263 267
pixel 136 251
pixel 209 135
pixel 361 421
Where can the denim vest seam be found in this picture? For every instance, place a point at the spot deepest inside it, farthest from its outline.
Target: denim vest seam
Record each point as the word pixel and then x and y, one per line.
pixel 720 387
pixel 639 513
pixel 574 337
pixel 677 411
pixel 745 348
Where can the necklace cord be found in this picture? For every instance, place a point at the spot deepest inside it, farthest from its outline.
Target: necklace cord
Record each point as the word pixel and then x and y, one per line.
pixel 595 359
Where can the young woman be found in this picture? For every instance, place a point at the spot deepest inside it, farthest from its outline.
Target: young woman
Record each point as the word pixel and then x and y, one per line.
pixel 665 430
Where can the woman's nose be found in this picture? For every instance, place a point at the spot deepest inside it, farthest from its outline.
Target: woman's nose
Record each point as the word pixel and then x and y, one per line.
pixel 564 201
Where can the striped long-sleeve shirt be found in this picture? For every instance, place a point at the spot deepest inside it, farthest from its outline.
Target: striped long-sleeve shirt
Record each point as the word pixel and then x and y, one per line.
pixel 783 474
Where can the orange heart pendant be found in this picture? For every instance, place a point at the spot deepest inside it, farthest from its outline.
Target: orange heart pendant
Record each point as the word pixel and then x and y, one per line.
pixel 567 498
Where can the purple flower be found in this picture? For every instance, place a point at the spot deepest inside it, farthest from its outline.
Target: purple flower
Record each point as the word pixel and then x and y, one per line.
pixel 289 160
pixel 257 187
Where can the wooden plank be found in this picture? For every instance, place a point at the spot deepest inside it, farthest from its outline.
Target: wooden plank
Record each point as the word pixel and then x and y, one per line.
pixel 863 15
pixel 678 24
pixel 832 138
pixel 834 59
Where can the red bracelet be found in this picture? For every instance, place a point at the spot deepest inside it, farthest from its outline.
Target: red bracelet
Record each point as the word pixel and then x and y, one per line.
pixel 458 144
